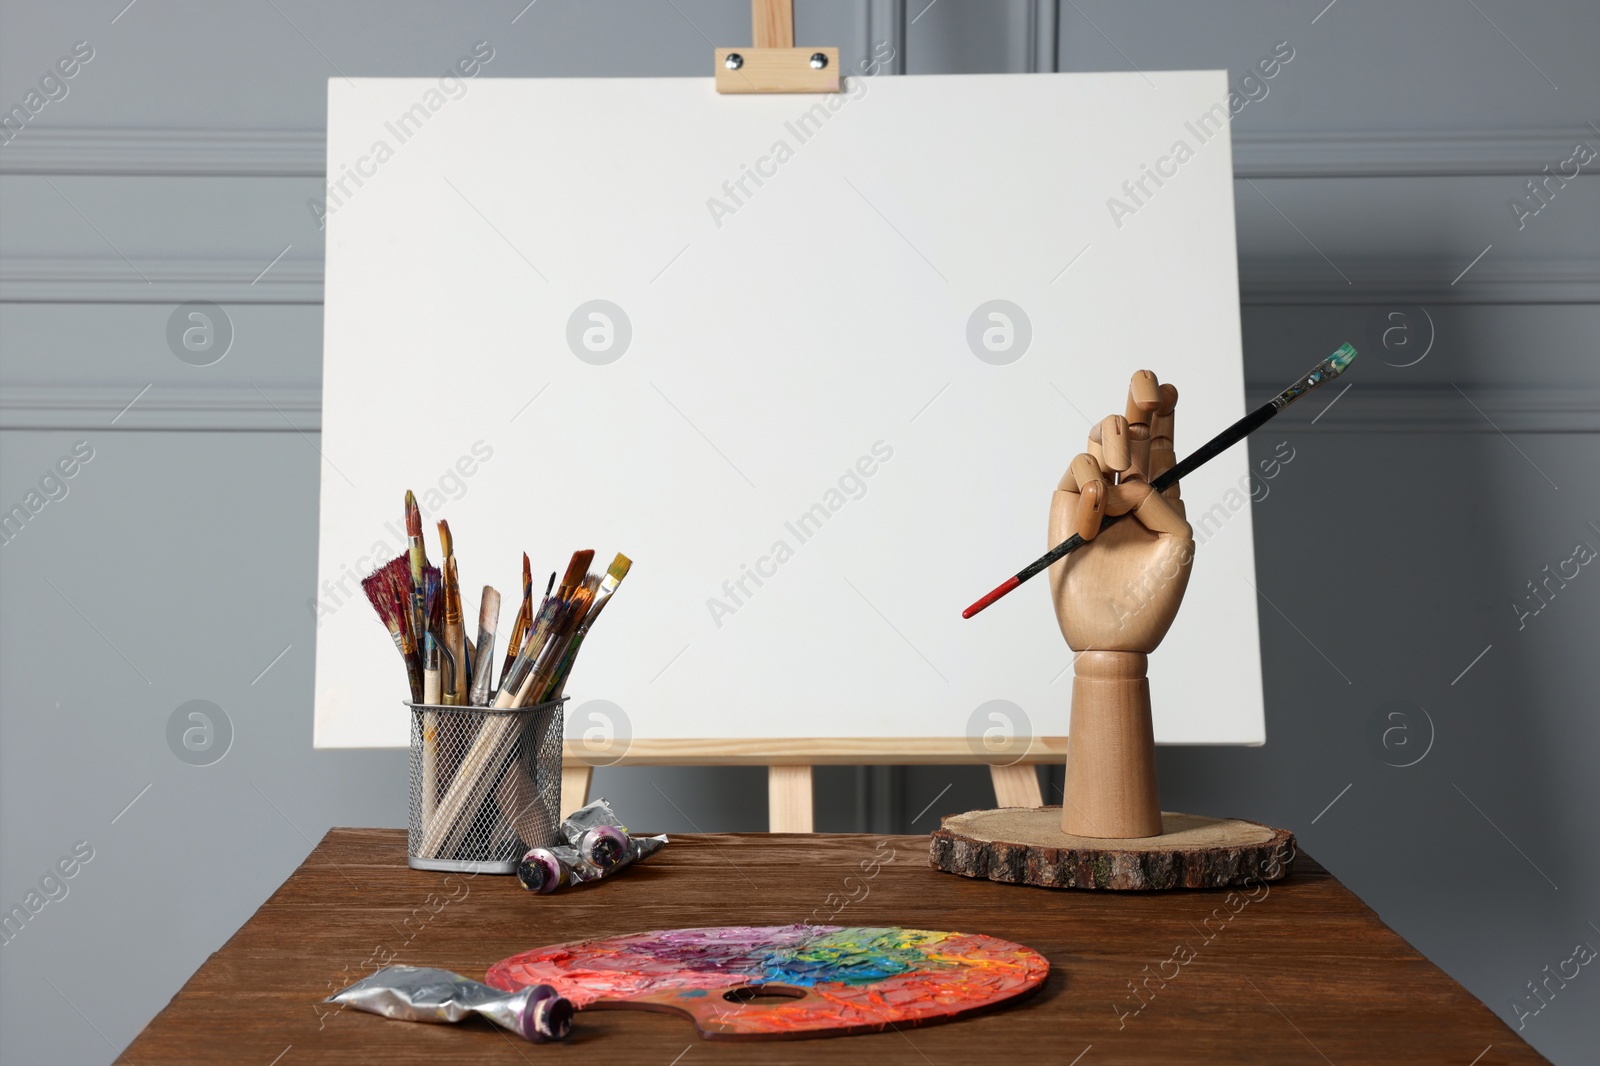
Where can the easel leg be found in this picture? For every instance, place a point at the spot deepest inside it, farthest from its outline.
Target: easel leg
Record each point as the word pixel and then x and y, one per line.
pixel 1016 786
pixel 574 787
pixel 789 799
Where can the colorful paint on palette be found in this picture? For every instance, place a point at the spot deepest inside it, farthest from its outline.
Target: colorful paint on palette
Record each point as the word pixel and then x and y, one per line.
pixel 831 979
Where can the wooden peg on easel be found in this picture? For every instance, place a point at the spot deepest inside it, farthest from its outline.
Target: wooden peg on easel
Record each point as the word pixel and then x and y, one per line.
pixel 773 64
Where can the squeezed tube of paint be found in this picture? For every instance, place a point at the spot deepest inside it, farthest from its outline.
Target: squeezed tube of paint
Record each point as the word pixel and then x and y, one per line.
pixel 596 845
pixel 422 994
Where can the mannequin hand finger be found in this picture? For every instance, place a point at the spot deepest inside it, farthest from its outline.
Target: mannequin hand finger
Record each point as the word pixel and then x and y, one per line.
pixel 1084 469
pixel 1149 508
pixel 1114 442
pixel 1138 453
pixel 1163 456
pixel 1144 396
pixel 1159 515
pixel 1091 509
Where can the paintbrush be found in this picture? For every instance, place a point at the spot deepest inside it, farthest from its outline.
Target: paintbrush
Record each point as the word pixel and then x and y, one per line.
pixel 573 598
pixel 533 616
pixel 1319 375
pixel 398 572
pixel 433 611
pixel 483 657
pixel 519 628
pixel 393 605
pixel 432 646
pixel 452 649
pixel 419 562
pixel 453 635
pixel 541 679
pixel 491 745
pixel 561 615
pixel 608 587
pixel 514 685
pixel 528 679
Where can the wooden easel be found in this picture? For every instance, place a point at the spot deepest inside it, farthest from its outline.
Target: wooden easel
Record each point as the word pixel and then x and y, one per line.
pixel 774 65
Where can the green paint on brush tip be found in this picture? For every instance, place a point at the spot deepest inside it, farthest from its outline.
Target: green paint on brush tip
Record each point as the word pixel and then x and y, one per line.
pixel 1341 358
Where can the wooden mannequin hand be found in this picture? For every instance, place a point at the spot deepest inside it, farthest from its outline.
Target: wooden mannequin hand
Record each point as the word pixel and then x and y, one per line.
pixel 1122 592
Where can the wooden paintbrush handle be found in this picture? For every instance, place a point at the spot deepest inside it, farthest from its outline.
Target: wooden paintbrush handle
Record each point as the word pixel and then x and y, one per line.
pixel 455 641
pixel 1111 755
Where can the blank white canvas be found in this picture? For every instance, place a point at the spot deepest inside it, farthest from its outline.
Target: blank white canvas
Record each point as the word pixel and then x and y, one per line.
pixel 780 331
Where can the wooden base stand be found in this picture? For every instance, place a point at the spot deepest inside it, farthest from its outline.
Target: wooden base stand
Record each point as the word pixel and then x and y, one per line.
pixel 1111 749
pixel 1028 847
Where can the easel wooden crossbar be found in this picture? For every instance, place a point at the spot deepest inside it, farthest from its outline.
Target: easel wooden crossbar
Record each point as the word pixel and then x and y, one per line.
pixel 789 763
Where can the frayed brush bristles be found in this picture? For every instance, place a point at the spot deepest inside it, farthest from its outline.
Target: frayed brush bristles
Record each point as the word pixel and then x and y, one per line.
pixel 380 593
pixel 397 573
pixel 619 567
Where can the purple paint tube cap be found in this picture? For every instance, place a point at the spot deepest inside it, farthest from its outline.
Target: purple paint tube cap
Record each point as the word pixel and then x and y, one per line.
pixel 546 1015
pixel 541 871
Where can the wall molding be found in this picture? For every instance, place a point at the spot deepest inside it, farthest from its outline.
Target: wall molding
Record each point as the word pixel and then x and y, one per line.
pixel 109 279
pixel 1436 408
pixel 1301 281
pixel 223 407
pixel 1403 153
pixel 297 408
pixel 122 152
pixel 1495 279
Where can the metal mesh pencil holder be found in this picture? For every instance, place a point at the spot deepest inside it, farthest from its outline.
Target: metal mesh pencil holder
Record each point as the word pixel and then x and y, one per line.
pixel 485 785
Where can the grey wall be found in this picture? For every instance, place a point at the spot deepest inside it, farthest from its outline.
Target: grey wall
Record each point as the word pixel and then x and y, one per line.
pixel 1390 551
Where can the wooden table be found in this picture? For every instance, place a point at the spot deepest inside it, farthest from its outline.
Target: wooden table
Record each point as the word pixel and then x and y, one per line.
pixel 1305 973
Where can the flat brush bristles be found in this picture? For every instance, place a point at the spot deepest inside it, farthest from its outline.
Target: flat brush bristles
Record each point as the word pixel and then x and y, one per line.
pixel 576 569
pixel 619 567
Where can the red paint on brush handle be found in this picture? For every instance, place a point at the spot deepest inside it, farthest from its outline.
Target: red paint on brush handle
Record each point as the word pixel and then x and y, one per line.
pixel 1000 590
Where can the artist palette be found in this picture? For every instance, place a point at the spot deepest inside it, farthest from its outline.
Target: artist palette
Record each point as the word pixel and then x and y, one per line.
pixel 785 981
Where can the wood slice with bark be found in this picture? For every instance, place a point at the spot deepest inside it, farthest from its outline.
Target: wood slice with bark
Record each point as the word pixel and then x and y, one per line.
pixel 1019 845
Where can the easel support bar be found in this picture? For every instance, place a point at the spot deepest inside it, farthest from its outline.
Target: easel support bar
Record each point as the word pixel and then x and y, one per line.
pixel 772 64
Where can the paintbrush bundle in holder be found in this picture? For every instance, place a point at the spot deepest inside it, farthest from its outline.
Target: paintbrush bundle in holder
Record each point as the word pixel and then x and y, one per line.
pixel 469 782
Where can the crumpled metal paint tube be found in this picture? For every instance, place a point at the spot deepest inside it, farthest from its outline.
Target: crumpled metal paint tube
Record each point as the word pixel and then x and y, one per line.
pixel 422 994
pixel 595 844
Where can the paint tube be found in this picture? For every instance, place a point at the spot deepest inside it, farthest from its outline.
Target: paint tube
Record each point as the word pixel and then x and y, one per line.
pixel 421 994
pixel 595 844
